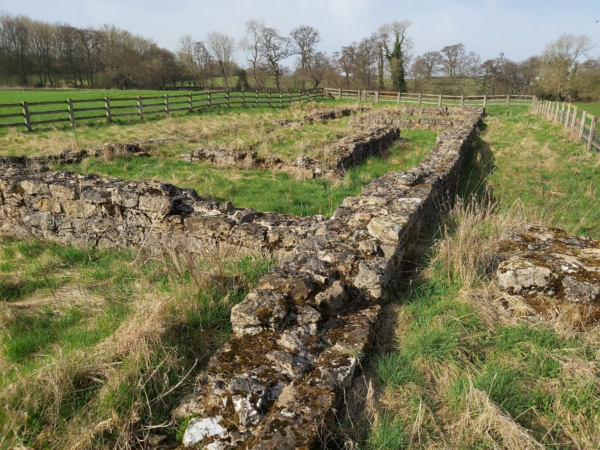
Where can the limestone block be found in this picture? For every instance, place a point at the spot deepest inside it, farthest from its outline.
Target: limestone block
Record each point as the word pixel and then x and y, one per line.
pixel 373 276
pixel 49 205
pixel 35 187
pixel 160 205
pixel 200 429
pixel 387 228
pixel 213 226
pixel 578 291
pixel 523 277
pixel 96 195
pixel 333 297
pixel 248 396
pixel 125 197
pixel 260 309
pixel 66 192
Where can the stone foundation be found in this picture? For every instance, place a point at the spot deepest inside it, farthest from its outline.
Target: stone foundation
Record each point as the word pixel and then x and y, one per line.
pixel 80 210
pixel 299 335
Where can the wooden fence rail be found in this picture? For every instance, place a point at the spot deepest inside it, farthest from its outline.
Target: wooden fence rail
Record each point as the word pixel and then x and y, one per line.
pixel 76 110
pixel 427 99
pixel 579 124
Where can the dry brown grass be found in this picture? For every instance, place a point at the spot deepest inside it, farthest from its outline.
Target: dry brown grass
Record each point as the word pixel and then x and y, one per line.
pixel 134 373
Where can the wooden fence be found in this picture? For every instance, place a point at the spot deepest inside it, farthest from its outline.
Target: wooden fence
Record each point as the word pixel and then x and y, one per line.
pixel 107 108
pixel 427 99
pixel 580 124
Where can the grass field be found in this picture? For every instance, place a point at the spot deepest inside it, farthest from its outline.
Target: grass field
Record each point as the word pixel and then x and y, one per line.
pixel 591 108
pixel 97 345
pixel 449 372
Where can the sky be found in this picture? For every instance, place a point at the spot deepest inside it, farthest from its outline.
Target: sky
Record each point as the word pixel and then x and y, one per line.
pixel 519 28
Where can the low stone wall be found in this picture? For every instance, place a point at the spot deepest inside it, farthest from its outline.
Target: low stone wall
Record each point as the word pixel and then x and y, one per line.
pixel 382 119
pixel 345 153
pixel 220 157
pixel 108 151
pixel 300 333
pixel 81 210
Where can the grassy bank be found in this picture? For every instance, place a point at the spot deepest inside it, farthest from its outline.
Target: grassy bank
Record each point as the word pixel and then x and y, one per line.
pixel 450 371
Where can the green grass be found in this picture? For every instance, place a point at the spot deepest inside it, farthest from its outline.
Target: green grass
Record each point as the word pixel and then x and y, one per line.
pixel 524 158
pixel 591 108
pixel 62 369
pixel 264 190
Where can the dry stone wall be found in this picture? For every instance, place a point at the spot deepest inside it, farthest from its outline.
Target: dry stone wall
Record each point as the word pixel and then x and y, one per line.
pixel 299 335
pixel 80 210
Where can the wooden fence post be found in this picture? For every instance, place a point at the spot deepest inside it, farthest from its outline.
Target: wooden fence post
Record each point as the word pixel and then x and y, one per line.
pixel 107 108
pixel 269 98
pixel 140 107
pixel 557 111
pixel 462 100
pixel 582 128
pixel 26 116
pixel 71 112
pixel 376 96
pixel 567 116
pixel 227 97
pixel 257 98
pixel 420 95
pixel 399 97
pixel 358 94
pixel 280 99
pixel 243 104
pixel 507 99
pixel 591 136
pixel 167 106
pixel 191 102
pixel 573 120
pixel 561 114
pixel 440 100
pixel 209 99
pixel 484 101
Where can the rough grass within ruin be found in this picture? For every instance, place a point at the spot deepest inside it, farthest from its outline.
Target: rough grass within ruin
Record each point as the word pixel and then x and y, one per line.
pixel 115 321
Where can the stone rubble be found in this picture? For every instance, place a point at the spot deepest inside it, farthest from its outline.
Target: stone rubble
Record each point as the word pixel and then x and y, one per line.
pixel 300 333
pixel 220 157
pixel 541 260
pixel 108 151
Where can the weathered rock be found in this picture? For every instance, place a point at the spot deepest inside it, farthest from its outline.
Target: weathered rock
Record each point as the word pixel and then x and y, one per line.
pixel 541 260
pixel 220 157
pixel 200 429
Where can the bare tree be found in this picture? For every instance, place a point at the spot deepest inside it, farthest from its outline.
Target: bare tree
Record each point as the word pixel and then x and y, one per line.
pixel 560 62
pixel 306 39
pixel 345 60
pixel 274 48
pixel 250 45
pixel 453 63
pixel 319 66
pixel 425 67
pixel 223 48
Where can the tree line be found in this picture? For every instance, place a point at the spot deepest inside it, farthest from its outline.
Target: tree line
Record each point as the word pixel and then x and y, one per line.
pixel 37 53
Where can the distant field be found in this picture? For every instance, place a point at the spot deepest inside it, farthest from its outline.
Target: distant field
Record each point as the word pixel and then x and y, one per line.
pixel 591 108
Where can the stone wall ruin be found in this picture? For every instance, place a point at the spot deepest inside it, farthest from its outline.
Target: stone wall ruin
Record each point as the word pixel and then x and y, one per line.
pixel 300 333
